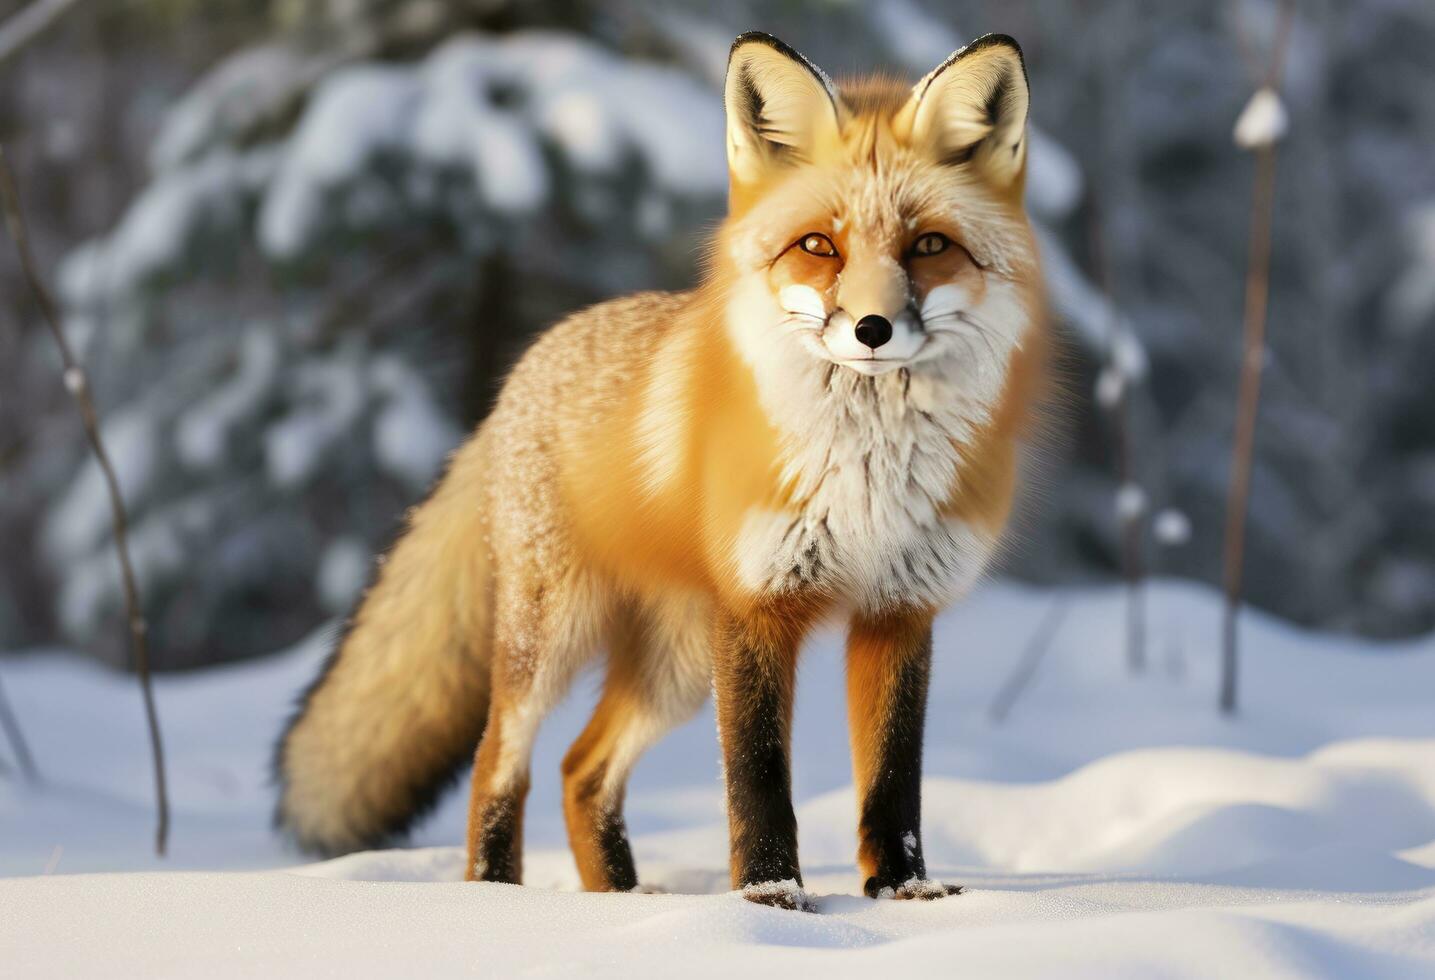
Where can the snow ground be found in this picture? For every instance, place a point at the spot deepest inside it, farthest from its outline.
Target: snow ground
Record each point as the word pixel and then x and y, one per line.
pixel 1111 825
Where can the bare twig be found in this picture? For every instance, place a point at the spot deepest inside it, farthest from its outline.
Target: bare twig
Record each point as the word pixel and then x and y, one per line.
pixel 1030 660
pixel 1130 503
pixel 1258 282
pixel 16 738
pixel 29 23
pixel 78 386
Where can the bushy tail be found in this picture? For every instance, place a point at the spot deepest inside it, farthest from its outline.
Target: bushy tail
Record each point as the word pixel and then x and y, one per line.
pixel 402 702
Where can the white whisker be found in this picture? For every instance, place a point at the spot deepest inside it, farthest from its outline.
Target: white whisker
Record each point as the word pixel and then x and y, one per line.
pixel 938 323
pixel 802 324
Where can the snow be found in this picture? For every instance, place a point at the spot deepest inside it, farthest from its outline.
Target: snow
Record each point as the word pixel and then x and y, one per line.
pixel 231 99
pixel 92 586
pixel 162 545
pixel 1110 386
pixel 202 434
pixel 343 571
pixel 459 127
pixel 74 378
pixel 1263 121
pixel 1130 502
pixel 1172 528
pixel 331 396
pixel 355 114
pixel 82 518
pixel 164 219
pixel 1112 825
pixel 411 436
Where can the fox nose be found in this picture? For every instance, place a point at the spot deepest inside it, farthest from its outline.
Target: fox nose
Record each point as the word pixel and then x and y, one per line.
pixel 873 330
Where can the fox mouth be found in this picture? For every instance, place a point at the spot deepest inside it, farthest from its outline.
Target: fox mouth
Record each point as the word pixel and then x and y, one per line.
pixel 875 365
pixel 809 331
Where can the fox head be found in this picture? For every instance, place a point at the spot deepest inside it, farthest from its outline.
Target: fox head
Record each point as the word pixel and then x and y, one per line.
pixel 876 226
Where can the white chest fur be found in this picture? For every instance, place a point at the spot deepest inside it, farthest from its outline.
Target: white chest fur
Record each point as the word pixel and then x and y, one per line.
pixel 870 461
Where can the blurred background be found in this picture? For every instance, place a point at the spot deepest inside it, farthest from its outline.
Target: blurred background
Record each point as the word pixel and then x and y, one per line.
pixel 297 243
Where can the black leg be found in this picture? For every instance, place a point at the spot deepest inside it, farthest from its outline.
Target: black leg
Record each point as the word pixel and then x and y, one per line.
pixel 754 670
pixel 888 665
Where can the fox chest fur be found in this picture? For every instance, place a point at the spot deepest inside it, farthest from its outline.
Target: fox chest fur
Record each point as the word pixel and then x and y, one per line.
pixel 872 467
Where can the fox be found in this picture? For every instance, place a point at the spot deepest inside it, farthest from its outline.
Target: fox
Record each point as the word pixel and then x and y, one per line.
pixel 682 485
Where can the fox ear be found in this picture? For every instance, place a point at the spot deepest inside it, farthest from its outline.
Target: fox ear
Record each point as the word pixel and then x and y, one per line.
pixel 972 109
pixel 781 108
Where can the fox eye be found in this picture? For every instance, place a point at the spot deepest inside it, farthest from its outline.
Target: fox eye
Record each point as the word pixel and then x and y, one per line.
pixel 931 243
pixel 815 244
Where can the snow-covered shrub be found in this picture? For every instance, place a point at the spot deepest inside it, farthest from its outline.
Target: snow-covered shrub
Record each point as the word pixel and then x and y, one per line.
pixel 293 330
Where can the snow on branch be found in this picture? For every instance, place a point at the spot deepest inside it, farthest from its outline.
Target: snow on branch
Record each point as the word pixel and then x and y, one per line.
pixel 1263 121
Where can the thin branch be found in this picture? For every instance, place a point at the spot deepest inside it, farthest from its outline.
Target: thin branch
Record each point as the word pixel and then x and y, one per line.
pixel 78 386
pixel 1274 69
pixel 1248 401
pixel 1030 660
pixel 1258 284
pixel 29 23
pixel 1131 519
pixel 1130 516
pixel 16 738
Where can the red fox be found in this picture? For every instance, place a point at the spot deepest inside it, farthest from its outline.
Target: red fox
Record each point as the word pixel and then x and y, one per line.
pixel 828 426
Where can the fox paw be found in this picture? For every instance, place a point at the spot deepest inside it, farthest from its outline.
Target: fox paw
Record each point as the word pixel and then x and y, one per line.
pixel 786 894
pixel 923 889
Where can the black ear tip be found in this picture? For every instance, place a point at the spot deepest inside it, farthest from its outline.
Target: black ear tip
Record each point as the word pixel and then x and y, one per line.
pixel 775 43
pixel 981 44
pixel 995 41
pixel 760 37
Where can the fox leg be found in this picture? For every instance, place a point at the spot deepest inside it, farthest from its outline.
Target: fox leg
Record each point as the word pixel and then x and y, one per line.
pixel 658 676
pixel 754 668
pixel 495 811
pixel 543 633
pixel 888 664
